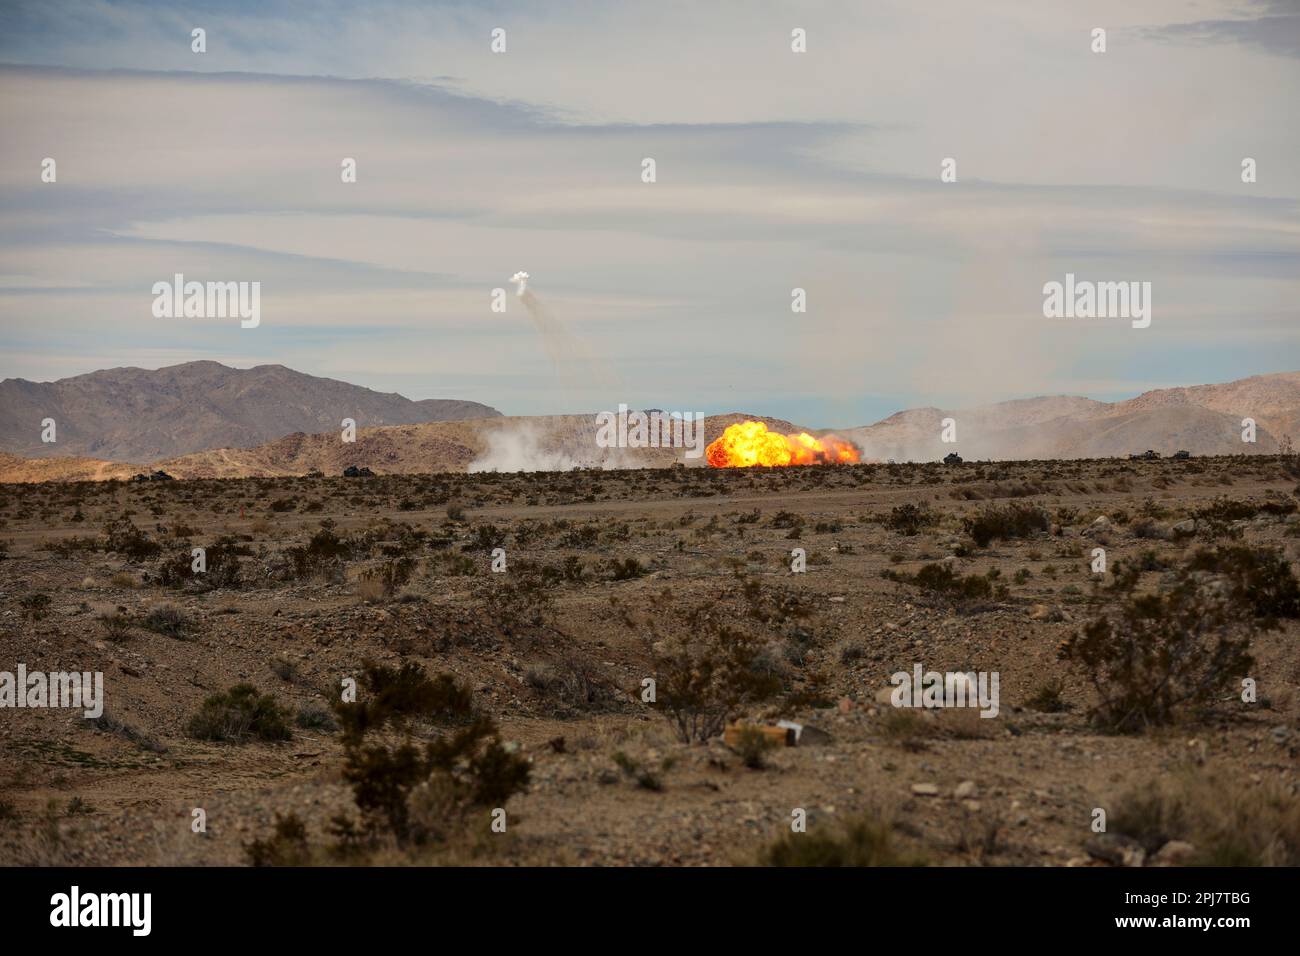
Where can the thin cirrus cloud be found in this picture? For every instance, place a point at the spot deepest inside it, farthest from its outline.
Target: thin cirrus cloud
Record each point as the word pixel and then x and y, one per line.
pixel 775 170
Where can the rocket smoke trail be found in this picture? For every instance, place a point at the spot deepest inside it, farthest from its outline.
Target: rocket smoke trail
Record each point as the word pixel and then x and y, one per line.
pixel 574 362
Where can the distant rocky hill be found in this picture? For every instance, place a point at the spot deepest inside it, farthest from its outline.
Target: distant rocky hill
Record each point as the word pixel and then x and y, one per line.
pixel 1203 419
pixel 134 414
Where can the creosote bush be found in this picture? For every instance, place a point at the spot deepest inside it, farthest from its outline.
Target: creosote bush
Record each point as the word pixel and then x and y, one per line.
pixel 911 519
pixel 1014 520
pixel 415 791
pixel 239 714
pixel 706 673
pixel 287 845
pixel 1262 583
pixel 866 841
pixel 123 537
pixel 1228 821
pixel 170 622
pixel 1160 654
pixel 942 579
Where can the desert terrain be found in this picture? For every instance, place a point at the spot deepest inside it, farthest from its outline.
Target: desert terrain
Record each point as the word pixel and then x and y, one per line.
pixel 207 420
pixel 523 690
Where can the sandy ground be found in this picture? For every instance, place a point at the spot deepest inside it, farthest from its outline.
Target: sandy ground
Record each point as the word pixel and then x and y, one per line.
pixel 1020 788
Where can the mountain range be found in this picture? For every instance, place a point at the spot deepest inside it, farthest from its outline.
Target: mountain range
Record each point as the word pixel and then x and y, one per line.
pixel 1201 419
pixel 135 414
pixel 203 419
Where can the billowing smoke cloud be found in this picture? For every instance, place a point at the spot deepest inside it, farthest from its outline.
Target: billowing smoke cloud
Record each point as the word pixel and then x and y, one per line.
pixel 523 446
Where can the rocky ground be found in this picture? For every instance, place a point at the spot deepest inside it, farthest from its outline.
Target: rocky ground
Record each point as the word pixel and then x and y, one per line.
pixel 603 571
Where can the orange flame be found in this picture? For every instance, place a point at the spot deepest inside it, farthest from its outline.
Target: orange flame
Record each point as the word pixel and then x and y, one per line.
pixel 746 444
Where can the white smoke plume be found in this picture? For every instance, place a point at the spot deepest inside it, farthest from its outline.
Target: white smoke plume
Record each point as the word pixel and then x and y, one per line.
pixel 526 447
pixel 574 362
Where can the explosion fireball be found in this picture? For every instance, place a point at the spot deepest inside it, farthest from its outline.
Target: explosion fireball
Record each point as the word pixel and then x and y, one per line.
pixel 746 444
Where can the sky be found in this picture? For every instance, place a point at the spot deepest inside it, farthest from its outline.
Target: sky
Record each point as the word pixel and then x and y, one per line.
pixel 775 170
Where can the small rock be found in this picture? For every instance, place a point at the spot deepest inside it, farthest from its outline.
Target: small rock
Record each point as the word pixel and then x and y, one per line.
pixel 1116 849
pixel 1174 853
pixel 964 789
pixel 925 789
pixel 1041 612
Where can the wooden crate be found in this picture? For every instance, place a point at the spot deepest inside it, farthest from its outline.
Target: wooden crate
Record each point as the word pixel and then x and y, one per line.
pixel 778 736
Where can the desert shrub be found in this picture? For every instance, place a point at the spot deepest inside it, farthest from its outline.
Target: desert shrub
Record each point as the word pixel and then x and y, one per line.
pixel 457 565
pixel 123 537
pixel 624 569
pixel 463 769
pixel 35 606
pixel 775 605
pixel 1261 581
pixel 1217 519
pixel 866 841
pixel 322 557
pixel 516 602
pixel 239 714
pixel 169 621
pixel 705 674
pixel 387 578
pixel 787 519
pixel 1159 654
pixel 396 696
pixel 752 745
pixel 942 579
pixel 116 626
pixel 645 778
pixel 571 570
pixel 485 537
pixel 907 728
pixel 221 563
pixel 76 544
pixel 911 518
pixel 1225 510
pixel 582 536
pixel 287 845
pixel 1047 698
pixel 1228 822
pixel 575 680
pixel 315 716
pixel 1014 520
